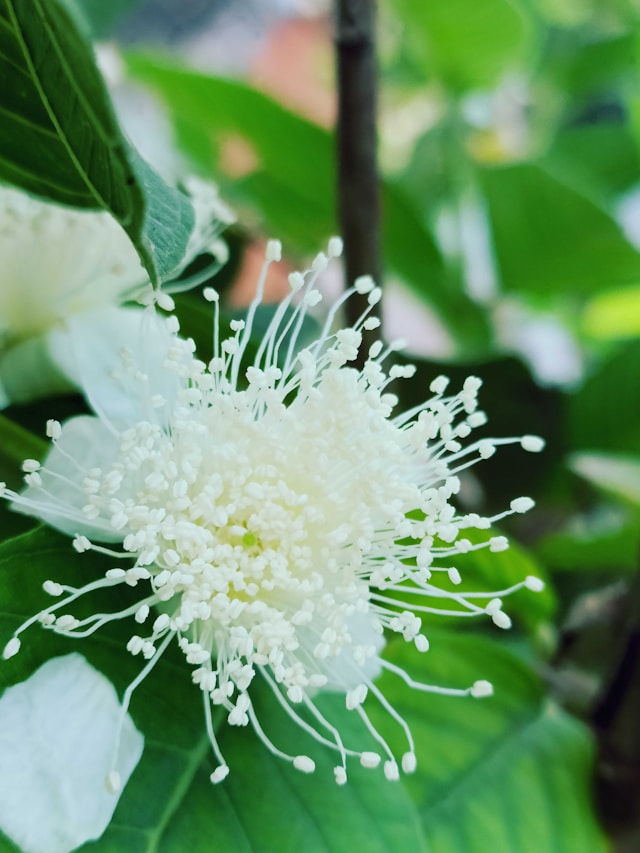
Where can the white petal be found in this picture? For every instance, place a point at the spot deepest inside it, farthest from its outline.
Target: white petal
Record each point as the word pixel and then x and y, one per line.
pixel 57 732
pixel 85 442
pixel 88 350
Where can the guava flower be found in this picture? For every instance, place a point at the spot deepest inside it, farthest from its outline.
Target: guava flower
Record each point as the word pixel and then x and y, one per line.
pixel 276 515
pixel 60 263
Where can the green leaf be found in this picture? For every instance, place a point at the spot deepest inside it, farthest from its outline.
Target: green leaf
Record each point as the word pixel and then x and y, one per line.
pixel 549 237
pixel 616 474
pixel 169 804
pixel 467 44
pixel 59 137
pixel 505 773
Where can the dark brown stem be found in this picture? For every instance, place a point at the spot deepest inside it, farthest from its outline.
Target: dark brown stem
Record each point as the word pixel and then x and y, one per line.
pixel 358 185
pixel 617 722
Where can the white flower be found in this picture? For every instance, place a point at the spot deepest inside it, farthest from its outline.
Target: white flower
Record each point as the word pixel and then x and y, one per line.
pixel 59 263
pixel 277 519
pixel 57 734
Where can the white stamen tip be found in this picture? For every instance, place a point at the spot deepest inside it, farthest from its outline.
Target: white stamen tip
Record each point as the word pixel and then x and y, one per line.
pixel 54 429
pixel 12 648
pixel 375 349
pixel 533 583
pixel 274 250
pixel 532 443
pixel 409 762
pixel 219 774
pixel 471 384
pixel 364 284
pixel 81 544
pixel 439 385
pixel 319 263
pixel 501 620
pixel 340 774
pixel 391 771
pixel 210 294
pixel 296 281
pixel 29 466
pixel 115 574
pixel 375 296
pixel 522 504
pixel 454 576
pixel 164 301
pixel 370 759
pixel 142 613
pixel 481 689
pixel 52 588
pixel 304 764
pixel 498 543
pixel 335 247
pixel 421 643
pixel 113 782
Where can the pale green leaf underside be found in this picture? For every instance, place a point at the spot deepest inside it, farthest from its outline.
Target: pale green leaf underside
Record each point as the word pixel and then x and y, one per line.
pixel 59 137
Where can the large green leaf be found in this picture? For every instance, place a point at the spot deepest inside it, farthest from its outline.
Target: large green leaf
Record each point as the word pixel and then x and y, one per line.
pixel 549 237
pixel 291 180
pixel 506 773
pixel 169 804
pixel 59 137
pixel 466 43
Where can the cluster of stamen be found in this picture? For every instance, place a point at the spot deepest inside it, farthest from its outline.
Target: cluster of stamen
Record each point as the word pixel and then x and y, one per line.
pixel 279 518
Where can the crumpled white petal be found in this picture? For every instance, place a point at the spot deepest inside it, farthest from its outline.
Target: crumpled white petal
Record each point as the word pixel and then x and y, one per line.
pixel 57 731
